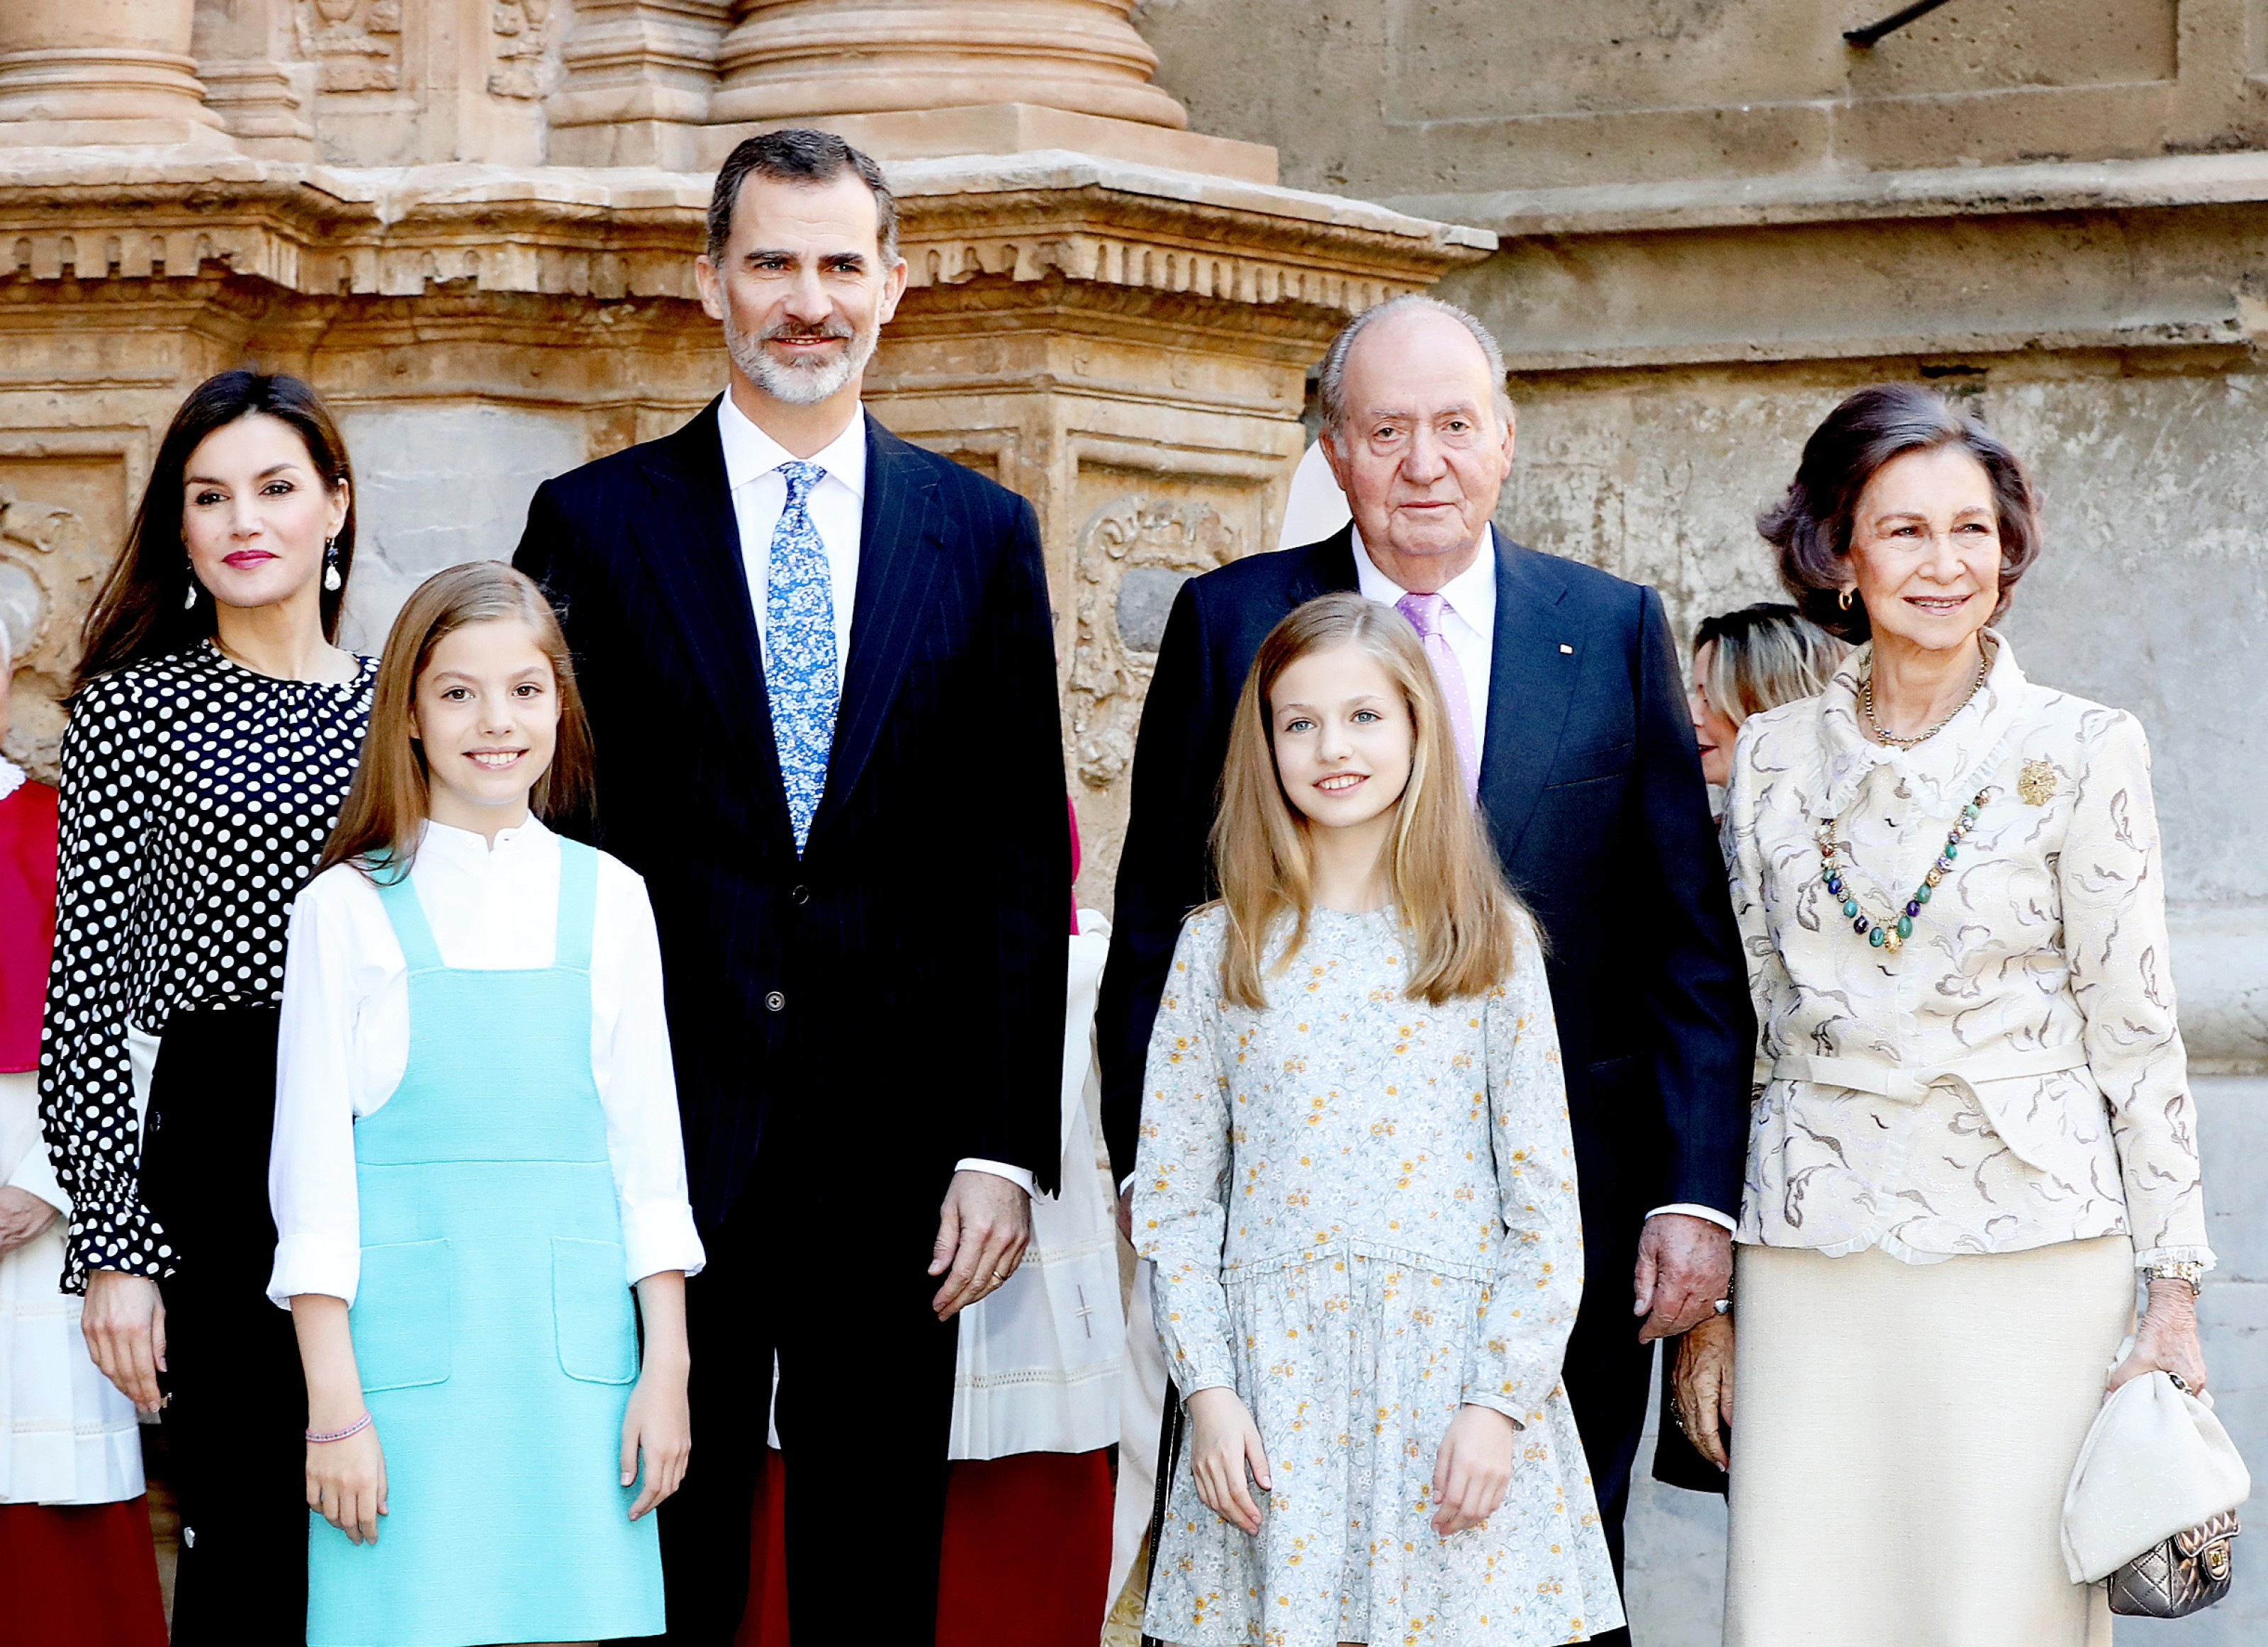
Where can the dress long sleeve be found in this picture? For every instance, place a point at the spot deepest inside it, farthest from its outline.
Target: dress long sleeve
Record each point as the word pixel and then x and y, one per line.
pixel 1181 1170
pixel 2114 939
pixel 638 1090
pixel 1526 1313
pixel 86 1079
pixel 1770 989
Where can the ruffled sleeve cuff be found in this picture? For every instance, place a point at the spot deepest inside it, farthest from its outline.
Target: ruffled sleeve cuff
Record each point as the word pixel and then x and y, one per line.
pixel 326 1264
pixel 658 1238
pixel 107 1235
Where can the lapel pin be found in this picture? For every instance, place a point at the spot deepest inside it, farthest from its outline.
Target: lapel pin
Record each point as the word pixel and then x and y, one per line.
pixel 1567 649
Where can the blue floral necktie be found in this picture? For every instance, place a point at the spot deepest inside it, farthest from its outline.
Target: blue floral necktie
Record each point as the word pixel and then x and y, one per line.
pixel 801 677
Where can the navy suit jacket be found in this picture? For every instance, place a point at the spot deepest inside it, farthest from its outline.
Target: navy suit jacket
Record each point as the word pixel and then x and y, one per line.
pixel 1592 787
pixel 899 986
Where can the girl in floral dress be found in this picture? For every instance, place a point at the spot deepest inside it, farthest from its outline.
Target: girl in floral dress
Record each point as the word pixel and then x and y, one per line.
pixel 1357 1183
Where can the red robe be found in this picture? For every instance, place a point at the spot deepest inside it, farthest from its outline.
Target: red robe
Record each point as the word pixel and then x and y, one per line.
pixel 27 920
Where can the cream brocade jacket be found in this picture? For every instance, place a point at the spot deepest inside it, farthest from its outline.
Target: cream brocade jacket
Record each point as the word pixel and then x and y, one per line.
pixel 2014 1075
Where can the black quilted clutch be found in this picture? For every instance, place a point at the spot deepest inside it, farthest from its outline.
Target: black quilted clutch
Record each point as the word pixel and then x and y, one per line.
pixel 2186 1574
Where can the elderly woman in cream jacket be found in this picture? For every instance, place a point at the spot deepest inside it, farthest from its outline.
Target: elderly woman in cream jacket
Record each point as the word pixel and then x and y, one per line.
pixel 1973 1123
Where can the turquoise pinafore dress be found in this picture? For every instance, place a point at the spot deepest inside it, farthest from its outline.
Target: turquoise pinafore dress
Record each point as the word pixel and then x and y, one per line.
pixel 493 1325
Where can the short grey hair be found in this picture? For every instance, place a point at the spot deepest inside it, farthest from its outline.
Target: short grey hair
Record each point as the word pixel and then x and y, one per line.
pixel 1331 389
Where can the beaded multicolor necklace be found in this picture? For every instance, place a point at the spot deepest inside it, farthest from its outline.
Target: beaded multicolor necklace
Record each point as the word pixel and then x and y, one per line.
pixel 1890 935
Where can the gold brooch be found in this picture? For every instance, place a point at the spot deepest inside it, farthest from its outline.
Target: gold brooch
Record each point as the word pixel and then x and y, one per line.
pixel 2037 783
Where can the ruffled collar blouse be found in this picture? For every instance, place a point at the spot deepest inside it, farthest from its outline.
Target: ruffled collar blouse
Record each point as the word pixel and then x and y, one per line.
pixel 2013 1073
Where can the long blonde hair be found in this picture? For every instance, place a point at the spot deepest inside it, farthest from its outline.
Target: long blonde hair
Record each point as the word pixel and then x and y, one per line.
pixel 392 795
pixel 1441 871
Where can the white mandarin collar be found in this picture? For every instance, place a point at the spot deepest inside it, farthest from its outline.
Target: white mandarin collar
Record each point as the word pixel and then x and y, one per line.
pixel 1949 765
pixel 470 847
pixel 1471 593
pixel 12 775
pixel 750 453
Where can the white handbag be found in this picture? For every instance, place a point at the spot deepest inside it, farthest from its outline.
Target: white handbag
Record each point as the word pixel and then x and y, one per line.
pixel 2157 1463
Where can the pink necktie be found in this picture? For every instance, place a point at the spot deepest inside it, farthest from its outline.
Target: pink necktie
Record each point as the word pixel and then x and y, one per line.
pixel 1424 613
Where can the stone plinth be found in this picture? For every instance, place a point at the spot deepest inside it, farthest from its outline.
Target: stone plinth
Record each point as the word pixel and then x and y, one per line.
pixel 101 71
pixel 790 59
pixel 1125 345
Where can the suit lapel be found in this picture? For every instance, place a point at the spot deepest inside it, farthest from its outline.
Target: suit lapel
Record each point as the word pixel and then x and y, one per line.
pixel 1531 687
pixel 690 542
pixel 1325 568
pixel 900 565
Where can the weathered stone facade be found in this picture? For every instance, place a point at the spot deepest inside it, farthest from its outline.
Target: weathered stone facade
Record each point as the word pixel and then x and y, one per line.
pixel 472 226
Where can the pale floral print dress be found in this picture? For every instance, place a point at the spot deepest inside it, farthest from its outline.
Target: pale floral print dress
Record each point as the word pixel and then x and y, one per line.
pixel 1362 1214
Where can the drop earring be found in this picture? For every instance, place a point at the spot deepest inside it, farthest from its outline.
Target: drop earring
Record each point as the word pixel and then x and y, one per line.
pixel 331 578
pixel 189 595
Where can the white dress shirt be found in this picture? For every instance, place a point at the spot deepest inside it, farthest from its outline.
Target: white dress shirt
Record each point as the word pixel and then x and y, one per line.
pixel 345 1041
pixel 1470 627
pixel 1468 624
pixel 836 506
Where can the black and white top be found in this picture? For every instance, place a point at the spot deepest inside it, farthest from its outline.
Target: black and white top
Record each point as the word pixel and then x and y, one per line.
pixel 197 795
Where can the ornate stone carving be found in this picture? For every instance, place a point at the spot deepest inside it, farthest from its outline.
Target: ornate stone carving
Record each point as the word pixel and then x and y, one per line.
pixel 522 30
pixel 1131 557
pixel 357 44
pixel 47 567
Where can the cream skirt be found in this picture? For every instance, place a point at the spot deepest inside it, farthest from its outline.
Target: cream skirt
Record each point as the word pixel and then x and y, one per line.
pixel 1902 1438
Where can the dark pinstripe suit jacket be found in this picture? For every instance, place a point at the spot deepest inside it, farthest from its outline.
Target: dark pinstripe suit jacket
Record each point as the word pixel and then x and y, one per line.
pixel 900 987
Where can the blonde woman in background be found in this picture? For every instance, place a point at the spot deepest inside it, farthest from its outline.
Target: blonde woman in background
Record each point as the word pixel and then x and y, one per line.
pixel 1746 662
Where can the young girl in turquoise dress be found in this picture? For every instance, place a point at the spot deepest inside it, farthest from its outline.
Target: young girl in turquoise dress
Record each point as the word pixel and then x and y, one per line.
pixel 476 1158
pixel 1357 1184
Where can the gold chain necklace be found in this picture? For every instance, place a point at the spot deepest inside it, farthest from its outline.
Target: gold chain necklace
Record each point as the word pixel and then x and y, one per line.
pixel 1883 736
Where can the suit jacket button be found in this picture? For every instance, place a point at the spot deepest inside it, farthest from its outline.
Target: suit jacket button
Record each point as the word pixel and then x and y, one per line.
pixel 775 1001
pixel 801 894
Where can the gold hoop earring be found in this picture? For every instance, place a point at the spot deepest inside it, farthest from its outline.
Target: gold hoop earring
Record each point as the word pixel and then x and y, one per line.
pixel 1843 599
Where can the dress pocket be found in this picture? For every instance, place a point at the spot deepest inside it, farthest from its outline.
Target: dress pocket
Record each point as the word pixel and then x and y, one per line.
pixel 591 1312
pixel 399 1320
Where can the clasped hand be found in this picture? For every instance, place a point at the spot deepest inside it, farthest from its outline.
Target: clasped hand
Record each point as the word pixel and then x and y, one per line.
pixel 1472 1470
pixel 24 1218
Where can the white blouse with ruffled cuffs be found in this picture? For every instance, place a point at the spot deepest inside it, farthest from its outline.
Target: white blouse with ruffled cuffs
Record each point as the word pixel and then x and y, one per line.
pixel 345 1040
pixel 2012 1074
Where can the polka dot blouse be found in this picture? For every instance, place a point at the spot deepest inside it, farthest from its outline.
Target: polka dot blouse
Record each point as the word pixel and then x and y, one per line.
pixel 197 797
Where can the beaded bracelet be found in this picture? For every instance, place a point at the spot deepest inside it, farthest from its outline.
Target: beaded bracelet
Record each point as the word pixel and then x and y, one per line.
pixel 354 1429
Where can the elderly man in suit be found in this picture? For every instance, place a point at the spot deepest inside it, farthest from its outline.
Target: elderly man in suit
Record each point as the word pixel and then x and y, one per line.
pixel 820 668
pixel 1569 707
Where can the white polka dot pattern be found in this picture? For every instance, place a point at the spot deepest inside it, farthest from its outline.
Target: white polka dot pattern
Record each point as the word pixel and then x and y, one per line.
pixel 197 797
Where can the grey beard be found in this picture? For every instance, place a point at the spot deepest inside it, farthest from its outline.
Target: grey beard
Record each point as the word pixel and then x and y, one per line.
pixel 798 385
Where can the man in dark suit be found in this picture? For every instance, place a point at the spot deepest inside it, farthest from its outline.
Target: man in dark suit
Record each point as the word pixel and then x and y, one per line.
pixel 820 669
pixel 1588 775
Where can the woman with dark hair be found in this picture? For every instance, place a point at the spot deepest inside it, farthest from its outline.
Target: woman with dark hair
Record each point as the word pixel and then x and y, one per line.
pixel 213 733
pixel 1975 1124
pixel 1749 661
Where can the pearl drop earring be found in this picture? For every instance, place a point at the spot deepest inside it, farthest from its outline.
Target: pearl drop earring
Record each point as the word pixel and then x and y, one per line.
pixel 331 578
pixel 189 595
